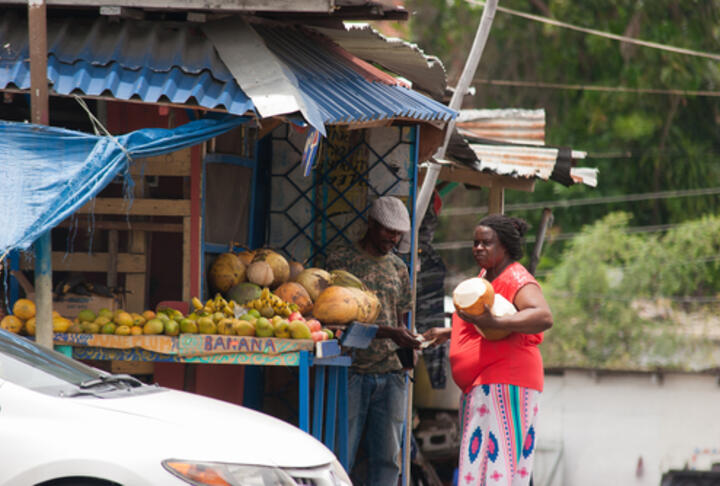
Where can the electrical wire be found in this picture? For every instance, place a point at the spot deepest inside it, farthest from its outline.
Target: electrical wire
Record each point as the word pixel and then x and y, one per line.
pixel 600 33
pixel 590 201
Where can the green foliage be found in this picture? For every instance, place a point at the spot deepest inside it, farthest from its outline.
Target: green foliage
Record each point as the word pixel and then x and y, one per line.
pixel 607 274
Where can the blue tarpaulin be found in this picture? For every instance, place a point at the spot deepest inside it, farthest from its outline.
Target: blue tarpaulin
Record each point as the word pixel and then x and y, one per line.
pixel 48 173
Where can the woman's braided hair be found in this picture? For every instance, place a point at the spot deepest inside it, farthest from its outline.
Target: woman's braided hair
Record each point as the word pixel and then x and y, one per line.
pixel 510 232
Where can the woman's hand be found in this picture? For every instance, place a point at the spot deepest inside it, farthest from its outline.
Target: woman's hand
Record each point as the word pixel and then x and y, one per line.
pixel 437 335
pixel 484 320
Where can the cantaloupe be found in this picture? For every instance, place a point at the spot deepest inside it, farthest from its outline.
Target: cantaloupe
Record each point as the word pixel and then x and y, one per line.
pixel 294 293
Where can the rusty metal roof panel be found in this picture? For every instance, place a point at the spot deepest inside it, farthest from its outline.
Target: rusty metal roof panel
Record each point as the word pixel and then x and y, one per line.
pixel 506 125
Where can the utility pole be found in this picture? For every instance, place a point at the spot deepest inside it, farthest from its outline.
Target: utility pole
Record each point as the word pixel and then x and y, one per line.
pixel 39 107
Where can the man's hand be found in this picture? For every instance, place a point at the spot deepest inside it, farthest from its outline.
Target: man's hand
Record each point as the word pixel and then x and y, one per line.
pixel 400 336
pixel 436 336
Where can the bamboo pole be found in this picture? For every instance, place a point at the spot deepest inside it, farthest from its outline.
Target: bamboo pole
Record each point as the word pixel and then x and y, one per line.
pixel 39 107
pixel 428 186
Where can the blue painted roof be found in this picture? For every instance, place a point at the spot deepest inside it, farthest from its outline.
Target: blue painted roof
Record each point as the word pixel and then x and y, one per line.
pixel 171 62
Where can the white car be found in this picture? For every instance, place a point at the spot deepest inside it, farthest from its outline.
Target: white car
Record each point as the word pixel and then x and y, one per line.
pixel 65 423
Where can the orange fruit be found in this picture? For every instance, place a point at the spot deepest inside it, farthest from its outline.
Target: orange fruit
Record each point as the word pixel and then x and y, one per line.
pixel 24 309
pixel 11 323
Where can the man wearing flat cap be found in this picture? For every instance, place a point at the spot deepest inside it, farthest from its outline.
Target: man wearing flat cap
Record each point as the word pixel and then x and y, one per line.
pixel 376 385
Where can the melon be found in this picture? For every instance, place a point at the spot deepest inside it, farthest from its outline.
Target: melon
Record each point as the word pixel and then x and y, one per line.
pixel 472 295
pixel 279 265
pixel 260 273
pixel 315 280
pixel 336 305
pixel 24 309
pixel 294 293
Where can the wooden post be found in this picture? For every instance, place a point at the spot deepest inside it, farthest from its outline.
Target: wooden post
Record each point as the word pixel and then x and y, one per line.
pixel 496 200
pixel 112 258
pixel 39 107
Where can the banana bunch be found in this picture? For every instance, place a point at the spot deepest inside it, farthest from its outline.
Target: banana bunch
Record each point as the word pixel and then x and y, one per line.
pixel 270 305
pixel 218 304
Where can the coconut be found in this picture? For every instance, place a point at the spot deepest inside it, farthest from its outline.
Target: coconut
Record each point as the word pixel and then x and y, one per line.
pixel 278 263
pixel 473 294
pixel 346 279
pixel 260 273
pixel 294 293
pixel 315 280
pixel 368 305
pixel 246 257
pixel 226 271
pixel 295 269
pixel 336 305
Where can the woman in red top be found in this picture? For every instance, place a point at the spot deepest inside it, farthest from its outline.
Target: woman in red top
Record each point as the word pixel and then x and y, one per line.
pixel 501 380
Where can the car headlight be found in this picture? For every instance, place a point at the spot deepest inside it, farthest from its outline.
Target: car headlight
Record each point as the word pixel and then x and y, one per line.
pixel 221 474
pixel 218 474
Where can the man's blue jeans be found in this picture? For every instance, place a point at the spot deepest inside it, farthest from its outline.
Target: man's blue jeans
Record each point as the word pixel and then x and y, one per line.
pixel 377 405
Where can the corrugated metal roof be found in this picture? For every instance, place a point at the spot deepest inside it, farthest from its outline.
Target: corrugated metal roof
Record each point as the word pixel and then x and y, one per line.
pixel 163 61
pixel 145 61
pixel 335 85
pixel 426 73
pixel 506 125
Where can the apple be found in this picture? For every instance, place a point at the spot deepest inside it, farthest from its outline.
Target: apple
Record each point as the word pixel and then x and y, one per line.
pixel 296 316
pixel 318 336
pixel 314 325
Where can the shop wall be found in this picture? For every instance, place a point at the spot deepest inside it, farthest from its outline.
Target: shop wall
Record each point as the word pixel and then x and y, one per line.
pixel 626 429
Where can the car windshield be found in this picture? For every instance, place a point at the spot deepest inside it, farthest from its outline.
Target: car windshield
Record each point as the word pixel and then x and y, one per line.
pixel 31 366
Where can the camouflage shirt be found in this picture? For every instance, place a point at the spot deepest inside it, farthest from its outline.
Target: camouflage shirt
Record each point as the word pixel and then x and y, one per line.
pixel 388 277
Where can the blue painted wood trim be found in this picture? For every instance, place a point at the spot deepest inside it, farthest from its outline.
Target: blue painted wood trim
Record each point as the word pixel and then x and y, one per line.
pixel 318 402
pixel 304 392
pixel 13 262
pixel 331 409
pixel 231 159
pixel 342 432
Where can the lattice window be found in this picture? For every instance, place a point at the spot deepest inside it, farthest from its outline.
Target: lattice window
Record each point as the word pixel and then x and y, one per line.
pixel 310 214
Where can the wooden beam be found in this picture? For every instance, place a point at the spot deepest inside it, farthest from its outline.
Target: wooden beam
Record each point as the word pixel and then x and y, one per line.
pixel 319 6
pixel 140 207
pixel 496 200
pixel 124 226
pixel 172 164
pixel 85 262
pixel 482 179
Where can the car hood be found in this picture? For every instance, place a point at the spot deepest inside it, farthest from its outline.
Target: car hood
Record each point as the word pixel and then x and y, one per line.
pixel 172 424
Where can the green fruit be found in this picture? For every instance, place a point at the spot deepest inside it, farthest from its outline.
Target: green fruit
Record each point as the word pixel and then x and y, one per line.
pixel 108 328
pixel 162 316
pixel 154 326
pixel 299 330
pixel 243 328
pixel 264 328
pixel 122 330
pixel 102 320
pixel 86 315
pixel 281 329
pixel 206 326
pixel 254 313
pixel 225 327
pixel 172 328
pixel 105 312
pixel 218 316
pixel 188 326
pixel 90 327
pixel 329 332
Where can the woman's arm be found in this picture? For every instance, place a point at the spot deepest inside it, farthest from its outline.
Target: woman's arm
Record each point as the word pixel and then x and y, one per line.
pixel 533 315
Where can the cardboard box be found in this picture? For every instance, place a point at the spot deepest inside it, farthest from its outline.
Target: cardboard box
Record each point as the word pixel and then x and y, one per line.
pixel 71 304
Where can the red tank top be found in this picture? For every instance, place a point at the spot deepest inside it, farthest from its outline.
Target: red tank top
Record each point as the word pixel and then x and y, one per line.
pixel 515 360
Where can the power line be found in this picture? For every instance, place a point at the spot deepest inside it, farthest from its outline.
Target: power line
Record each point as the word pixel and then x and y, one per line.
pixel 600 33
pixel 608 89
pixel 566 203
pixel 655 228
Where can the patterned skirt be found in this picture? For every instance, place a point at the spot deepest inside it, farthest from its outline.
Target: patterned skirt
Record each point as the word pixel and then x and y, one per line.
pixel 498 435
